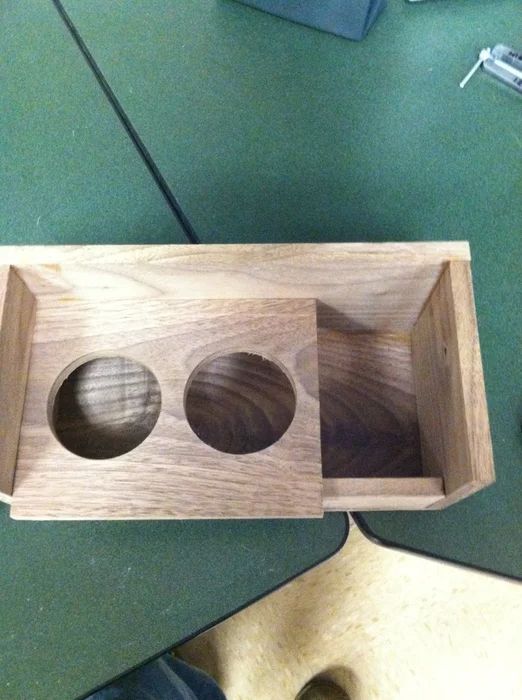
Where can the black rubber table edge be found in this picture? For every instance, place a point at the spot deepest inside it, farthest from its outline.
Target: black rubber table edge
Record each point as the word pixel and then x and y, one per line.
pixel 230 614
pixel 143 151
pixel 389 544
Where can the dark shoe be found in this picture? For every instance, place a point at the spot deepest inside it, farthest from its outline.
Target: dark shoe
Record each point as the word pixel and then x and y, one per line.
pixel 319 689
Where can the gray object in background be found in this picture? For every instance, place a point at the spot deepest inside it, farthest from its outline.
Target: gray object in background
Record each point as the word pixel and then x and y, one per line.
pixel 350 19
pixel 501 62
pixel 505 64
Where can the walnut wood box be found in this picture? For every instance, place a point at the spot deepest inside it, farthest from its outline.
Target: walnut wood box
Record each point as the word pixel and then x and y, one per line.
pixel 375 344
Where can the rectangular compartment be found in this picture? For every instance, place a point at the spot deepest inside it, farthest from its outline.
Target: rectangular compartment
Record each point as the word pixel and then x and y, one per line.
pixel 371 449
pixel 403 414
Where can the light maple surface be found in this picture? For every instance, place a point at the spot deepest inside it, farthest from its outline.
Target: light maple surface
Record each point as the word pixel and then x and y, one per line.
pixel 381 623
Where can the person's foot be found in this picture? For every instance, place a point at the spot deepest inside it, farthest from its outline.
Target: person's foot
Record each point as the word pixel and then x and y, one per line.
pixel 321 689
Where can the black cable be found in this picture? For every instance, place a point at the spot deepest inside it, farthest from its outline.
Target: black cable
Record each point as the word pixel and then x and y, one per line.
pixel 129 128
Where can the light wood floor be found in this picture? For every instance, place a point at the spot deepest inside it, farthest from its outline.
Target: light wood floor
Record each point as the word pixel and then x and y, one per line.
pixel 386 625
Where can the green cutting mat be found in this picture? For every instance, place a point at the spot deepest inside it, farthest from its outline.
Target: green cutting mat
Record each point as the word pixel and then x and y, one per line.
pixel 68 171
pixel 268 131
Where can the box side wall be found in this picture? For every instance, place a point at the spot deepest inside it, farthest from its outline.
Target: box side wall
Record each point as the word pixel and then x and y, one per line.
pixel 449 385
pixel 17 311
pixel 359 287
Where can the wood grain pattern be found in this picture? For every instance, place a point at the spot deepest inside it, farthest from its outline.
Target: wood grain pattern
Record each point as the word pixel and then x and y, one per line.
pixel 169 306
pixel 239 403
pixel 53 255
pixel 383 624
pixel 172 474
pixel 369 426
pixel 374 287
pixel 105 407
pixel 382 493
pixel 17 308
pixel 454 426
pixel 369 420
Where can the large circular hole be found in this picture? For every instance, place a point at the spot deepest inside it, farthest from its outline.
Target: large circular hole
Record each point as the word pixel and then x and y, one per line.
pixel 104 407
pixel 239 403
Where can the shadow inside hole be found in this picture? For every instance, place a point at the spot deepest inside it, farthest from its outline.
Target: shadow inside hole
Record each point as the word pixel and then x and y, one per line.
pixel 106 407
pixel 239 403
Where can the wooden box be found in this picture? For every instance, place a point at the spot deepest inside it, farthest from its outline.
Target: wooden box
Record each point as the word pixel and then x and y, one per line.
pixel 239 380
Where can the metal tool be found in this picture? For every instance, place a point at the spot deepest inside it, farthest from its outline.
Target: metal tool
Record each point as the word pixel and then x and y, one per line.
pixel 503 63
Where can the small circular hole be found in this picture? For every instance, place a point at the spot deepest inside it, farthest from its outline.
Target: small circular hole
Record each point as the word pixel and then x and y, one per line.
pixel 104 407
pixel 239 402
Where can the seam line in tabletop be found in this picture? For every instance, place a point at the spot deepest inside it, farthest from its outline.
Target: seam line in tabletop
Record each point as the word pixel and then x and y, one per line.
pixel 160 181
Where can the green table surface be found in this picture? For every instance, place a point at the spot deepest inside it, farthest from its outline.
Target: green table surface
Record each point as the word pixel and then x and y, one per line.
pixel 265 131
pixel 68 171
pixel 268 131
